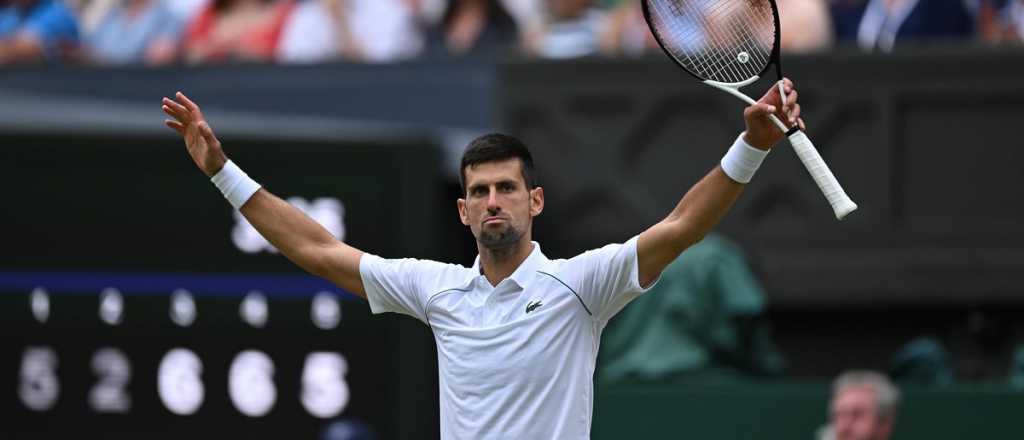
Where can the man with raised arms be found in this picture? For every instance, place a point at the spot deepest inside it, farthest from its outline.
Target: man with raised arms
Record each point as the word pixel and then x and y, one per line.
pixel 517 333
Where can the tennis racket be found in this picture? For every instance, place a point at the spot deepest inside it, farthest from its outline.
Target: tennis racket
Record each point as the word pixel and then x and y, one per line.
pixel 728 44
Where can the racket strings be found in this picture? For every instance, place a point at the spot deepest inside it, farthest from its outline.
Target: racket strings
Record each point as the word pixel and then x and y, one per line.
pixel 720 62
pixel 728 41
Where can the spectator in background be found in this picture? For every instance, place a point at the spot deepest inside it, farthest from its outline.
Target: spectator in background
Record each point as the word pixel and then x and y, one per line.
pixel 881 23
pixel 806 26
pixel 89 12
pixel 134 32
pixel 1014 19
pixel 704 320
pixel 474 28
pixel 1016 376
pixel 627 32
pixel 846 17
pixel 35 31
pixel 354 30
pixel 863 407
pixel 572 28
pixel 528 14
pixel 238 30
pixel 922 361
pixel 187 10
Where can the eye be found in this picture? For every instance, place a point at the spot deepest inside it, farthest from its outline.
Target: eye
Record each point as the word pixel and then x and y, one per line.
pixel 506 187
pixel 478 191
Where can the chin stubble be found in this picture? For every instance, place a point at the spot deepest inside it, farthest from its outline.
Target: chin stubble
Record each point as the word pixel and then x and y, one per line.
pixel 501 239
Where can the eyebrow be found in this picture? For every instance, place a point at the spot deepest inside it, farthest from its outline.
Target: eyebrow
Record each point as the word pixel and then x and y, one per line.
pixel 476 186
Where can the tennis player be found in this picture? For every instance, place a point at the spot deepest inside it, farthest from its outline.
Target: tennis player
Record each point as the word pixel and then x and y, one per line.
pixel 517 333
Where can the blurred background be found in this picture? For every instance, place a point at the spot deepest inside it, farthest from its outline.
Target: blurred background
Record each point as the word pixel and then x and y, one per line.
pixel 135 303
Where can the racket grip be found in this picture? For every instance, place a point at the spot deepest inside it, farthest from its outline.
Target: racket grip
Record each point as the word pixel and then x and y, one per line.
pixel 841 203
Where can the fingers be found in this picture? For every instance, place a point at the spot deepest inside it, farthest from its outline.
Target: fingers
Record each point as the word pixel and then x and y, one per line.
pixel 175 125
pixel 760 109
pixel 176 111
pixel 188 103
pixel 791 107
pixel 207 133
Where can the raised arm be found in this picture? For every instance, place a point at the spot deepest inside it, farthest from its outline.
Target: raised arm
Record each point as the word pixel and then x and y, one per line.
pixel 297 236
pixel 706 203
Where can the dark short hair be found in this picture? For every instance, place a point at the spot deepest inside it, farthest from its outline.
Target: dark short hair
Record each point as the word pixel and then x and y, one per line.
pixel 496 147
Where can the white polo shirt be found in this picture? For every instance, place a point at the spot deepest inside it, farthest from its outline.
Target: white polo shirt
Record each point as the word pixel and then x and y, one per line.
pixel 516 360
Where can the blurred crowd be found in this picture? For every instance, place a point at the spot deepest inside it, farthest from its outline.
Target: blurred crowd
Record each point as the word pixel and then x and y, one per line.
pixel 158 32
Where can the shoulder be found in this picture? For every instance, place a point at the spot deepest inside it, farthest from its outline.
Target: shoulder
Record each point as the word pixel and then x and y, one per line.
pixel 591 261
pixel 602 254
pixel 428 275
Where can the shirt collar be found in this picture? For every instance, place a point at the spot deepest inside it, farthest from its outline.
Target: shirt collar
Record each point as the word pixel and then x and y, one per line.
pixel 526 270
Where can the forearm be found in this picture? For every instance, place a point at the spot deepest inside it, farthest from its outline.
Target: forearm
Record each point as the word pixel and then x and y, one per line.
pixel 704 205
pixel 297 236
pixel 304 241
pixel 291 231
pixel 701 208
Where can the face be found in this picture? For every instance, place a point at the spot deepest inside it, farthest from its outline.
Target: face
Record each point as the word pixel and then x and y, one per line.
pixel 855 415
pixel 498 207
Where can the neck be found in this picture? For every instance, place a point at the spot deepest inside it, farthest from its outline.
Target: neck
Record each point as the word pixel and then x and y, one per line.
pixel 498 264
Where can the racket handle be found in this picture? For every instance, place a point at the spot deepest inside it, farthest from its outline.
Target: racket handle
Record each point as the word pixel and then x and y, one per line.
pixel 841 203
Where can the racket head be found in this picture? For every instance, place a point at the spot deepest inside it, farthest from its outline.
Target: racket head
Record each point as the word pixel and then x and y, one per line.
pixel 729 42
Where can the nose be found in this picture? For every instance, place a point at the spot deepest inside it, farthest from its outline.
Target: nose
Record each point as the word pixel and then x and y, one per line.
pixel 492 201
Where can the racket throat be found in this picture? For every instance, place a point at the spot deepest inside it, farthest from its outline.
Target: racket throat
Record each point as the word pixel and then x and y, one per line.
pixel 734 88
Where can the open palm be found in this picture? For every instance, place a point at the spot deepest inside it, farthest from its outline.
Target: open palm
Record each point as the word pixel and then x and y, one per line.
pixel 200 141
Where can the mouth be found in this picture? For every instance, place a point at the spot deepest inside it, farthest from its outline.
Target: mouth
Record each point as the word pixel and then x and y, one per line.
pixel 493 220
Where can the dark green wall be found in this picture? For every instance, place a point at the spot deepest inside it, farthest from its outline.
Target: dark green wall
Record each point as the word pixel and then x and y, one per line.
pixel 795 411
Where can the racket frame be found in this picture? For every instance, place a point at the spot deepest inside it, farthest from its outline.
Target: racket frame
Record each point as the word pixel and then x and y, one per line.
pixel 841 203
pixel 774 59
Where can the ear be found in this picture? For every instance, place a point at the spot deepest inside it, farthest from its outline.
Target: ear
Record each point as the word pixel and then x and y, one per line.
pixel 463 215
pixel 536 201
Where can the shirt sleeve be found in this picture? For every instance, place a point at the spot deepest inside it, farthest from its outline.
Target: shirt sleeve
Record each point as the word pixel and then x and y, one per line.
pixel 608 278
pixel 397 285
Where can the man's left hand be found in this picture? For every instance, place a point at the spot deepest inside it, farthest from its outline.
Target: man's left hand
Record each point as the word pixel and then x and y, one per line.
pixel 761 131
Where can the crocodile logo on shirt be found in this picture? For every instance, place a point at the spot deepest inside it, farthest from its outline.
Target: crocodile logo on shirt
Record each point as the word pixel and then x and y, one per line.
pixel 533 305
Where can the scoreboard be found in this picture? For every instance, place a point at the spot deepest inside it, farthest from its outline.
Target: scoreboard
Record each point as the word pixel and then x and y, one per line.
pixel 134 303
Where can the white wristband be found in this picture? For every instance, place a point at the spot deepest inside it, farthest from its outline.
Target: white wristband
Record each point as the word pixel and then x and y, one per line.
pixel 236 186
pixel 742 161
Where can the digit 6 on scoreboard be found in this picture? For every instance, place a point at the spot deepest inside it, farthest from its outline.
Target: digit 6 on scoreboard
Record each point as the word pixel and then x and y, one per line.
pixel 178 381
pixel 251 383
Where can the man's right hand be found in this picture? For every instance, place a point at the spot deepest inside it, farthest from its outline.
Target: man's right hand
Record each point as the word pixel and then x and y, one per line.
pixel 202 145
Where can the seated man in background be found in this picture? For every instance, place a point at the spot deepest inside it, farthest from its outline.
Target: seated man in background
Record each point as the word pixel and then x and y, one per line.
pixel 863 407
pixel 703 320
pixel 570 29
pixel 35 31
pixel 133 32
pixel 881 24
